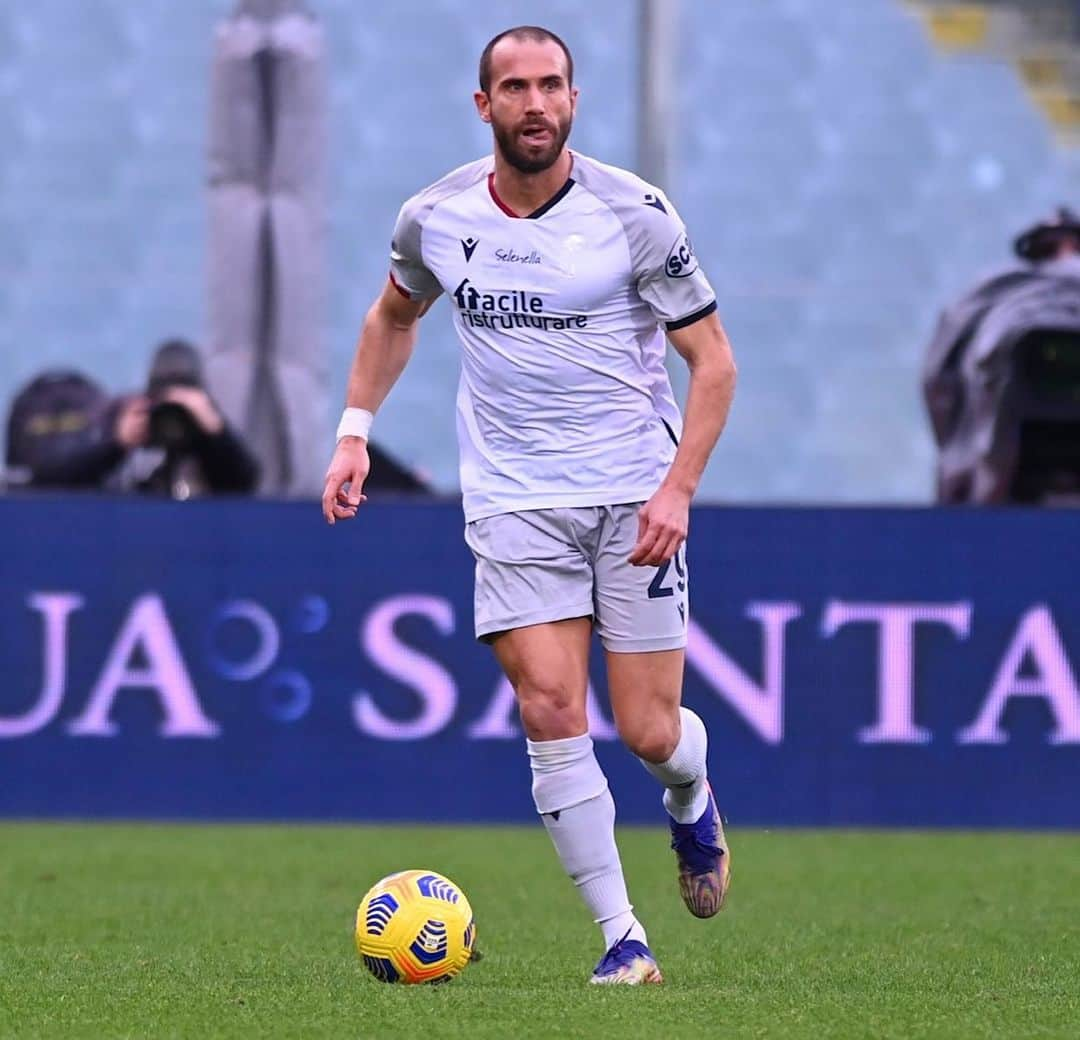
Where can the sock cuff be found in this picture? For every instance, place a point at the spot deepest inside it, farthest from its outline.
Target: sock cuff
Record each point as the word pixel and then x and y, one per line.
pixel 565 773
pixel 694 732
pixel 687 761
pixel 551 755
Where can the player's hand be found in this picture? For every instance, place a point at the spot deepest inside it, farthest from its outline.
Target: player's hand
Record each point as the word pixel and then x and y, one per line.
pixel 662 525
pixel 343 491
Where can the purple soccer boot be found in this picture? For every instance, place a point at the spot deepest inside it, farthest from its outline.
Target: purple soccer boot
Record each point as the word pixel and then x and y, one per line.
pixel 627 963
pixel 704 861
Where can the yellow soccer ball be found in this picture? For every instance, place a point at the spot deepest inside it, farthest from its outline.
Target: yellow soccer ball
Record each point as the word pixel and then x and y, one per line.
pixel 415 926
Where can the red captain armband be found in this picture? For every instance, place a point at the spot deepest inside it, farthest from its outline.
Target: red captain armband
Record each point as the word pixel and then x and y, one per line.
pixel 400 288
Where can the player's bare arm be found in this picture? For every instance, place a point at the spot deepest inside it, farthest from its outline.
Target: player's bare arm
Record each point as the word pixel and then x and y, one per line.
pixel 385 345
pixel 665 518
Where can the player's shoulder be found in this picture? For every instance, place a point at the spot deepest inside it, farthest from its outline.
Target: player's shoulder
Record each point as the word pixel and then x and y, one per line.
pixel 633 199
pixel 614 185
pixel 417 207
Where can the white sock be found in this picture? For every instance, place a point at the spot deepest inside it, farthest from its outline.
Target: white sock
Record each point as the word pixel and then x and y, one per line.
pixel 572 797
pixel 684 774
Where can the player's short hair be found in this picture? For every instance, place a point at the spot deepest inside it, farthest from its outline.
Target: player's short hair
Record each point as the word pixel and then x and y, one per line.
pixel 537 34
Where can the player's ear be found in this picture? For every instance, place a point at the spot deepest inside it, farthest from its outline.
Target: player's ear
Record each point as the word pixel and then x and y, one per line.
pixel 573 100
pixel 483 105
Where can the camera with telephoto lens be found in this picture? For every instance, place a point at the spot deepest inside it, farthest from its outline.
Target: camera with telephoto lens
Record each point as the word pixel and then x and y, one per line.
pixel 172 428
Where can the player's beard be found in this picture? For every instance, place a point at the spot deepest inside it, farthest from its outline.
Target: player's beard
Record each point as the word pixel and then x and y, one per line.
pixel 529 160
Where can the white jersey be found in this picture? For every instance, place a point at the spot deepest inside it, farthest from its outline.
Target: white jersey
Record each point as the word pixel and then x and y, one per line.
pixel 564 399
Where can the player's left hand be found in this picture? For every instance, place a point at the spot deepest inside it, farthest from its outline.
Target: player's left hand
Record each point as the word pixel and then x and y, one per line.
pixel 662 525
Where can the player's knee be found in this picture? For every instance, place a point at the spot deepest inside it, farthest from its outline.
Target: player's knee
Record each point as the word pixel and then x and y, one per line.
pixel 550 710
pixel 654 739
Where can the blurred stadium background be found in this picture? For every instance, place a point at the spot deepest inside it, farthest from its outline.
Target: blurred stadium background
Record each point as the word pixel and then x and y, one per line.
pixel 847 168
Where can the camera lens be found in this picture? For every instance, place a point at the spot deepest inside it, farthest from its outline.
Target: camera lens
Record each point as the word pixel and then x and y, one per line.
pixel 171 426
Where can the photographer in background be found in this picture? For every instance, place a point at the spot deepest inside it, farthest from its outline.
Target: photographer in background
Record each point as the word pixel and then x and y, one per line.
pixel 61 434
pixel 1001 380
pixel 1051 240
pixel 175 440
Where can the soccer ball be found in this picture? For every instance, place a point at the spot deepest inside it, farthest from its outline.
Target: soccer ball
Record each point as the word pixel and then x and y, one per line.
pixel 415 926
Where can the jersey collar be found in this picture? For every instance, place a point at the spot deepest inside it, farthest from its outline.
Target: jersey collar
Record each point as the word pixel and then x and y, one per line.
pixel 539 211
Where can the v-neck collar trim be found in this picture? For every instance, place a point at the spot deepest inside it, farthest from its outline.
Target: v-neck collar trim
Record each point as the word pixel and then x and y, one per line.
pixel 536 213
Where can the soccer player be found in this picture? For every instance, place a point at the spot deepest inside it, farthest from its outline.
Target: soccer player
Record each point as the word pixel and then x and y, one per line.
pixel 564 275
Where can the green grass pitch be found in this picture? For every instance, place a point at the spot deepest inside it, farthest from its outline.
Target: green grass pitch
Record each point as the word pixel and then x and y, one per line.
pixel 237 931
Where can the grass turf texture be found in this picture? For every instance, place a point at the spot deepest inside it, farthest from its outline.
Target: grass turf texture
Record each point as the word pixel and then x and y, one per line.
pixel 223 931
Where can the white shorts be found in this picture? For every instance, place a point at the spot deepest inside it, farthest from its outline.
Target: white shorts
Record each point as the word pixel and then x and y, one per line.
pixel 552 564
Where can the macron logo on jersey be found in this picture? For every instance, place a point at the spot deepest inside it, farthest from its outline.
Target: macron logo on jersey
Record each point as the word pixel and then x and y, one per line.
pixel 468 247
pixel 510 309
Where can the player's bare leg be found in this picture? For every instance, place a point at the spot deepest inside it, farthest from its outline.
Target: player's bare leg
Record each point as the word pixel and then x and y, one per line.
pixel 548 667
pixel 646 690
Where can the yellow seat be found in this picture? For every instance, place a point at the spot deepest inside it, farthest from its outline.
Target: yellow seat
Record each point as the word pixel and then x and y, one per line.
pixel 958 27
pixel 1042 71
pixel 1062 108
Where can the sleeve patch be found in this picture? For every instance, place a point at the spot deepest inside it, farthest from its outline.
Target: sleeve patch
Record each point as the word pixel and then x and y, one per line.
pixel 681 261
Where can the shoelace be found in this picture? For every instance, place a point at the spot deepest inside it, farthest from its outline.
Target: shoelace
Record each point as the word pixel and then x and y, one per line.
pixel 690 847
pixel 615 956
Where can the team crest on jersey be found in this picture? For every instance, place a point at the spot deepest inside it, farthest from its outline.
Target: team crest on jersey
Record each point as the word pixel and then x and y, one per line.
pixel 681 262
pixel 572 245
pixel 468 247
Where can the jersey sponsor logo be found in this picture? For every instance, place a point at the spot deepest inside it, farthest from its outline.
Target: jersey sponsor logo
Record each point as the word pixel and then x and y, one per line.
pixel 681 261
pixel 510 309
pixel 510 301
pixel 509 256
pixel 468 247
pixel 655 201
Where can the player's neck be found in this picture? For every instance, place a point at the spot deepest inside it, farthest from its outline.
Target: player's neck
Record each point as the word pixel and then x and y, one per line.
pixel 526 192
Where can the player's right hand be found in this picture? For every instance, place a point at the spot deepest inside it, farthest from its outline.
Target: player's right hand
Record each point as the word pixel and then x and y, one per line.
pixel 343 491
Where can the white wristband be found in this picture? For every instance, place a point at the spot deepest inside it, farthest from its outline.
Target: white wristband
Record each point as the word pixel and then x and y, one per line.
pixel 355 422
